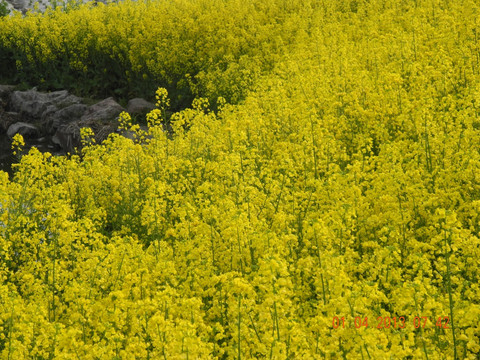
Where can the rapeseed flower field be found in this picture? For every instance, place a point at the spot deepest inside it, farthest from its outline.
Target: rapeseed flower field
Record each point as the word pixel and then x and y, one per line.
pixel 318 196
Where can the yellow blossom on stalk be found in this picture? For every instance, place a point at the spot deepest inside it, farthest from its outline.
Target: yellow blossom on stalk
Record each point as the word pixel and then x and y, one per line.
pixel 17 143
pixel 154 118
pixel 87 135
pixel 200 104
pixel 163 102
pixel 125 120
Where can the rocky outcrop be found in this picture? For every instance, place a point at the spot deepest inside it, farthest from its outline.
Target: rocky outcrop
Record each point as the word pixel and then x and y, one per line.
pixel 24 5
pixel 68 136
pixel 53 120
pixel 100 117
pixel 34 104
pixel 28 131
pixel 105 110
pixel 139 106
pixel 8 118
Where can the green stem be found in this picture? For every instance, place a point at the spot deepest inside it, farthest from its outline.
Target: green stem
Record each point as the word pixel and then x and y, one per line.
pixel 10 332
pixel 449 287
pixel 320 266
pixel 276 319
pixel 421 328
pixel 53 275
pixel 239 328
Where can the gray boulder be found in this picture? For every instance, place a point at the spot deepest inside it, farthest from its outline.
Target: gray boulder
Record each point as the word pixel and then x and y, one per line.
pixel 7 119
pixel 68 121
pixel 25 5
pixel 34 104
pixel 102 111
pixel 24 129
pixel 49 111
pixel 19 4
pixel 54 119
pixel 67 137
pixel 139 106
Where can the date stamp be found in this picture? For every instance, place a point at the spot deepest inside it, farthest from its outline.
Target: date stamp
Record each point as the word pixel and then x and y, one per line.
pixel 388 322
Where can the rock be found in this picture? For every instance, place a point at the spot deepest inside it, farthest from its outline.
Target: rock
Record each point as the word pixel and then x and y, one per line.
pixel 37 116
pixel 50 111
pixel 25 5
pixel 63 116
pixel 54 119
pixel 6 92
pixel 103 111
pixel 34 109
pixel 61 98
pixel 7 119
pixel 103 132
pixel 19 4
pixel 139 106
pixel 67 137
pixel 34 104
pixel 24 129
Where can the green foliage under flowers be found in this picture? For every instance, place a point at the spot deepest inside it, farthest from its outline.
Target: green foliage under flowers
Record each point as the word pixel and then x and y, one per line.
pixel 345 184
pixel 4 8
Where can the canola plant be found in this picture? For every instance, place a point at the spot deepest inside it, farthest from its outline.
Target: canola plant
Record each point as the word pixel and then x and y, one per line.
pixel 319 198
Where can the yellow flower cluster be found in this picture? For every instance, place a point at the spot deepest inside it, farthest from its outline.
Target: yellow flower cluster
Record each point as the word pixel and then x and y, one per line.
pixel 333 214
pixel 17 143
